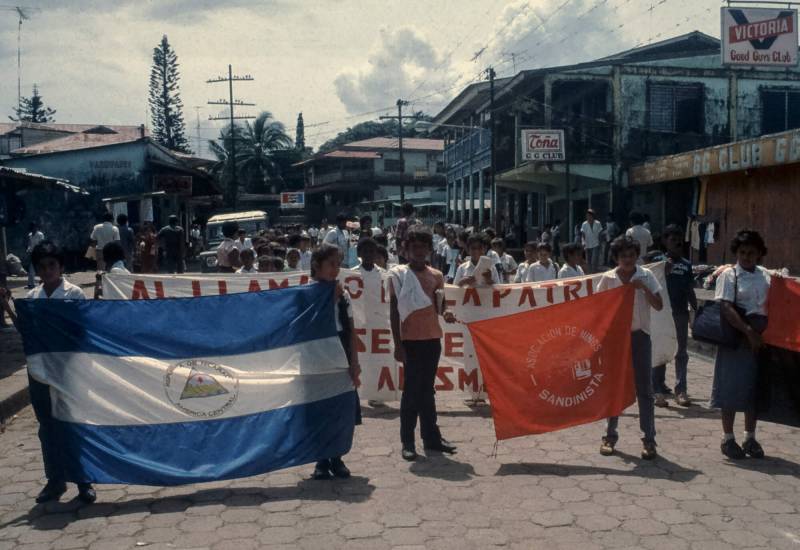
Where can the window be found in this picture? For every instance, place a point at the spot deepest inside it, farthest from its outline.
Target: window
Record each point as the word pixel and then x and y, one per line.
pixel 392 165
pixel 675 108
pixel 780 110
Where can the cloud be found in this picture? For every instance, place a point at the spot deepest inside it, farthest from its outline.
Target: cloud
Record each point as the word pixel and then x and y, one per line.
pixel 399 64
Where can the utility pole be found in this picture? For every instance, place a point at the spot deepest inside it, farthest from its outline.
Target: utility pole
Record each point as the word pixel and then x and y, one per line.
pixel 492 188
pixel 231 103
pixel 400 117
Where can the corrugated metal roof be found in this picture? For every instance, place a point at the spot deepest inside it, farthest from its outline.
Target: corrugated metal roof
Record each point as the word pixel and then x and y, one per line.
pixel 23 176
pixel 419 144
pixel 74 142
pixel 352 154
pixel 128 129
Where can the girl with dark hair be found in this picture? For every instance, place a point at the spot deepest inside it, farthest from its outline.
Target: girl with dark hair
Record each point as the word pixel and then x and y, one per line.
pixel 325 267
pixel 742 290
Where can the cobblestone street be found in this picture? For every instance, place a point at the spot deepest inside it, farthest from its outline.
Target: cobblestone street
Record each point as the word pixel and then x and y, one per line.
pixel 551 491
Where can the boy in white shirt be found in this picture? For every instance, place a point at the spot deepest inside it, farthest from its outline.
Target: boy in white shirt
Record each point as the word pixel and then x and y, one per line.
pixel 114 258
pixel 625 252
pixel 530 258
pixel 248 258
pixel 305 252
pixel 48 260
pixel 508 265
pixel 292 260
pixel 573 255
pixel 545 269
pixel 465 274
pixel 640 234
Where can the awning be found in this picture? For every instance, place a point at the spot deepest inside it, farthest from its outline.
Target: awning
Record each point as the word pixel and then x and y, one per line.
pixel 24 179
pixel 135 197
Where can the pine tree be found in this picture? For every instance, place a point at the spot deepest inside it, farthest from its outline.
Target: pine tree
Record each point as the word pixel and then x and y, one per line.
pixel 300 134
pixel 166 107
pixel 32 109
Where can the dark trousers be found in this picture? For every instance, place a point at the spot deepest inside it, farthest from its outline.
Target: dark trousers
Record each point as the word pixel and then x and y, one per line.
pixel 418 400
pixel 42 407
pixel 681 358
pixel 173 264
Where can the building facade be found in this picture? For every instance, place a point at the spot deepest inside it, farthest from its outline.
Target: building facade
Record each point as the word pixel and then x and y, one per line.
pixel 660 99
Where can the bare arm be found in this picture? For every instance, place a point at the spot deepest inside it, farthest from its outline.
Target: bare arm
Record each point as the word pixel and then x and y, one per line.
pixel 5 303
pixel 394 319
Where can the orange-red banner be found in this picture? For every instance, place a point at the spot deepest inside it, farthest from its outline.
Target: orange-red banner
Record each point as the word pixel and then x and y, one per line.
pixel 560 366
pixel 783 328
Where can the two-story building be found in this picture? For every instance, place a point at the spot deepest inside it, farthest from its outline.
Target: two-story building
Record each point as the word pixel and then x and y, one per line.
pixel 360 173
pixel 663 98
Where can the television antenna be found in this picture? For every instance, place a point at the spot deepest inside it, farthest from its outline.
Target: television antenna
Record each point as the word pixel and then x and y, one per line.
pixel 23 13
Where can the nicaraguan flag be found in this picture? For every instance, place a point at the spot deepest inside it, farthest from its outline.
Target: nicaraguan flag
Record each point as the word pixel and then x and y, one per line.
pixel 165 392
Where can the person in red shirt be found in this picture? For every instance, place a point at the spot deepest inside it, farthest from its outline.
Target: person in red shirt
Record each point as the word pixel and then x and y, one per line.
pixel 417 300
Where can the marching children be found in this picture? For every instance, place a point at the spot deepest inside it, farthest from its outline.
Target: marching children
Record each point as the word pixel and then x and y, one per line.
pixel 545 269
pixel 417 300
pixel 305 252
pixel 465 274
pixel 507 263
pixel 382 257
pixel 269 264
pixel 625 252
pixel 573 255
pixel 680 289
pixel 451 252
pixel 372 276
pixel 248 258
pixel 325 267
pixel 48 260
pixel 114 258
pixel 292 260
pixel 530 259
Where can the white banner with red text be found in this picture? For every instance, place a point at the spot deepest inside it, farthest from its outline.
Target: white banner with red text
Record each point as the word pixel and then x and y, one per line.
pixel 381 377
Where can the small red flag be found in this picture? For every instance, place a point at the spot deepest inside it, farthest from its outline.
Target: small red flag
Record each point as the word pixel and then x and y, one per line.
pixel 783 303
pixel 558 366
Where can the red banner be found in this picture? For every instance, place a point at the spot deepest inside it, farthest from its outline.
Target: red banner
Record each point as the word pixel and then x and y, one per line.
pixel 560 366
pixel 783 330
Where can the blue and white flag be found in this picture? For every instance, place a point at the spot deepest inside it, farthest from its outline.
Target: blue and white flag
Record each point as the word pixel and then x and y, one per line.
pixel 184 390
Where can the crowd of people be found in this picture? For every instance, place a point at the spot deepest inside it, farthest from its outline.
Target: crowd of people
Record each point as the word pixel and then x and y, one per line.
pixel 418 261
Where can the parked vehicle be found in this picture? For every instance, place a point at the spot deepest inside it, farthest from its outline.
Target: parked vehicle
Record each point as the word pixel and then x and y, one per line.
pixel 252 221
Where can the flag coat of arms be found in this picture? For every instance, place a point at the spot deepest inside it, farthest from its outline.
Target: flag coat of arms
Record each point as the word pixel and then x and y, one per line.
pixel 184 390
pixel 558 366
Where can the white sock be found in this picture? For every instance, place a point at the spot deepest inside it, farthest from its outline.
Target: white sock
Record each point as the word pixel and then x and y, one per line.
pixel 749 435
pixel 728 437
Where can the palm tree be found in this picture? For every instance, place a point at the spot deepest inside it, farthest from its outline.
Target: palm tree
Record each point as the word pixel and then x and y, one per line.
pixel 255 152
pixel 221 169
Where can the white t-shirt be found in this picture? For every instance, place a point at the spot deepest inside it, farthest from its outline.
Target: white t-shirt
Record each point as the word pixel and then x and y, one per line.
pixel 591 233
pixel 641 308
pixel 119 267
pixel 64 291
pixel 522 272
pixel 338 237
pixel 538 272
pixel 104 233
pixel 567 271
pixel 643 236
pixel 246 245
pixel 243 270
pixel 34 239
pixel 509 266
pixel 752 291
pixel 467 269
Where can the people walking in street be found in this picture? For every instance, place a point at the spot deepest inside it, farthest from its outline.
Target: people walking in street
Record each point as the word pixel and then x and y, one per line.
pixel 148 248
pixel 680 289
pixel 172 239
pixel 417 301
pixel 612 231
pixel 248 258
pixel 126 239
pixel 508 265
pixel 530 251
pixel 742 291
pixel 35 236
pixel 102 234
pixel 625 252
pixel 573 257
pixel 401 230
pixel 474 272
pixel 590 234
pixel 227 253
pixel 325 267
pixel 640 234
pixel 544 269
pixel 114 258
pixel 48 260
pixel 242 241
pixel 339 237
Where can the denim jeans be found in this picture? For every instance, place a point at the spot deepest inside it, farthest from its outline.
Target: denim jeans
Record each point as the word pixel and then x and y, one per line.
pixel 681 358
pixel 641 351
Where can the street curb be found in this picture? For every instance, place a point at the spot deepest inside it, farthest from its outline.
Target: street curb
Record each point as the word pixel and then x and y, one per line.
pixel 13 395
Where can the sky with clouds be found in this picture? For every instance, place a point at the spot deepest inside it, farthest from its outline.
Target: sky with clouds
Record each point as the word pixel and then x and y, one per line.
pixel 340 62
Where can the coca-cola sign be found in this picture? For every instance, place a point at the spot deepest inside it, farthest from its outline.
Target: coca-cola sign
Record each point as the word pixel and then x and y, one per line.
pixel 543 145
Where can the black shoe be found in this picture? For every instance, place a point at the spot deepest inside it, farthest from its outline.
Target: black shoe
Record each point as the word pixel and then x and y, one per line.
pixel 52 491
pixel 409 453
pixel 607 446
pixel 443 446
pixel 338 469
pixel 752 449
pixel 322 470
pixel 732 450
pixel 649 450
pixel 86 493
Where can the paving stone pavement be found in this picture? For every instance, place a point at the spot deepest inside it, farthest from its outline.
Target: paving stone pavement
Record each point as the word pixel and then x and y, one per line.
pixel 551 491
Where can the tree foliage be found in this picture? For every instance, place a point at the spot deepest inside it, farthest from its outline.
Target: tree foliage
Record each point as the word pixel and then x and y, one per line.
pixel 33 109
pixel 166 107
pixel 377 128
